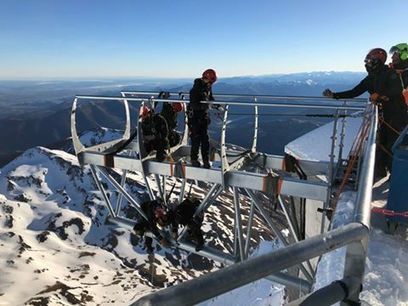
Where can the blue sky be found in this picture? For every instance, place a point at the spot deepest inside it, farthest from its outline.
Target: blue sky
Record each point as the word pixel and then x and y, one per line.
pixel 98 38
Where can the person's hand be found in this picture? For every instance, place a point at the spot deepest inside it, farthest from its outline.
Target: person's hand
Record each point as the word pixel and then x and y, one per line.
pixel 377 99
pixel 374 97
pixel 327 93
pixel 405 94
pixel 174 235
pixel 218 107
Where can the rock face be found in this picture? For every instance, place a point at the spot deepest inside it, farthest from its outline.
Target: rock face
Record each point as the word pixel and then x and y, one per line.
pixel 57 246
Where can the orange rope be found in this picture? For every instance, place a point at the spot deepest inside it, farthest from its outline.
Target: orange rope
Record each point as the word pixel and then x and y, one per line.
pixel 354 152
pixel 389 126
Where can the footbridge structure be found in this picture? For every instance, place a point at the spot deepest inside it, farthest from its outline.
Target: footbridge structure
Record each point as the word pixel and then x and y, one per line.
pixel 299 186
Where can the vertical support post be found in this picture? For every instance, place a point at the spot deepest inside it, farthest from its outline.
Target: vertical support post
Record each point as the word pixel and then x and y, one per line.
pixel 102 190
pixel 356 253
pixel 255 141
pixel 182 190
pixel 249 229
pixel 184 140
pixel 224 159
pixel 238 224
pixel 342 135
pixel 164 189
pixel 296 218
pixel 331 169
pixel 120 197
pixel 275 230
pixel 291 227
pixel 159 187
pixel 149 189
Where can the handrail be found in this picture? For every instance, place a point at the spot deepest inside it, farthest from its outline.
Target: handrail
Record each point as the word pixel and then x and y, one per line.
pixel 336 104
pixel 242 273
pixel 363 202
pixel 273 97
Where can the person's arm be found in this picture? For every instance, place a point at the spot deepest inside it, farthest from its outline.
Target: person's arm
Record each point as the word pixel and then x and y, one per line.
pixel 161 126
pixel 197 94
pixel 394 85
pixel 361 88
pixel 211 97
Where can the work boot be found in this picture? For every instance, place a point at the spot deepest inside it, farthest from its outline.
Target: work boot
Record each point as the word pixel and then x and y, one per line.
pixel 196 163
pixel 206 164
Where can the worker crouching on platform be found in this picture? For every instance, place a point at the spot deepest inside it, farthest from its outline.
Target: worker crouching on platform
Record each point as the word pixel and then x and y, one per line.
pixel 181 215
pixel 170 113
pixel 155 132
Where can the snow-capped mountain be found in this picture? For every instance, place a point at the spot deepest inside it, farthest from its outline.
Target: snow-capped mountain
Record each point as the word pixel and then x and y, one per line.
pixel 58 247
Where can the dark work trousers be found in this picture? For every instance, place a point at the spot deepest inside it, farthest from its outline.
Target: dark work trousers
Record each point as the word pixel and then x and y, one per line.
pixel 199 136
pixel 383 160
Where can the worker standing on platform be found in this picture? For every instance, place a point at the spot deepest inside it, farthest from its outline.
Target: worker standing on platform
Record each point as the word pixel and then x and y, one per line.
pixel 399 56
pixel 385 90
pixel 198 117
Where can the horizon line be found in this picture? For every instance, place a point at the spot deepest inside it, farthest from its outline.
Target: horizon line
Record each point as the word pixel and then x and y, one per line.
pixel 111 78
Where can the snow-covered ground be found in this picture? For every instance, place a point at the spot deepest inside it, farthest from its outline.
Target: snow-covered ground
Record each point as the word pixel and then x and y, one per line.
pixel 57 247
pixel 386 271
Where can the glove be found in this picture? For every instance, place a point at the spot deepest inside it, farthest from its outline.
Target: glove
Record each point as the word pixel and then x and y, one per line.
pixel 328 93
pixel 377 99
pixel 405 94
pixel 218 107
pixel 174 235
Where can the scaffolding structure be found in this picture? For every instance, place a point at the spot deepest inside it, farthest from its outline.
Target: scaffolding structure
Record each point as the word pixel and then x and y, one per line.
pixel 237 170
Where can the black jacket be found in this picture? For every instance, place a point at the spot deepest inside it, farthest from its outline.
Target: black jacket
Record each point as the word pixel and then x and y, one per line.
pixel 148 208
pixel 385 82
pixel 155 127
pixel 200 92
pixel 169 115
pixel 404 77
pixel 183 214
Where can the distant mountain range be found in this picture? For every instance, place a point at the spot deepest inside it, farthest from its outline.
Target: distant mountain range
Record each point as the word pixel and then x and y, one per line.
pixel 38 112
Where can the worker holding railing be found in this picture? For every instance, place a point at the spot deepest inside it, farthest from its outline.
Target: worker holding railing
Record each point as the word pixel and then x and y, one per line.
pixel 385 90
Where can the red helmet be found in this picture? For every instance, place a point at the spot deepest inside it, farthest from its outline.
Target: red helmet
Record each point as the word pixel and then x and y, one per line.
pixel 144 111
pixel 160 212
pixel 210 75
pixel 375 59
pixel 177 107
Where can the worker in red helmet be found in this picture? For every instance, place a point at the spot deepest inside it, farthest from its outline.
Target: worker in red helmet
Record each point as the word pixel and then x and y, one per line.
pixel 198 117
pixel 155 132
pixel 156 215
pixel 385 89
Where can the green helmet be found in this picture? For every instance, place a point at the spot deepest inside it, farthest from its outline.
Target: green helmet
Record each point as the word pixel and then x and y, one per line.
pixel 402 50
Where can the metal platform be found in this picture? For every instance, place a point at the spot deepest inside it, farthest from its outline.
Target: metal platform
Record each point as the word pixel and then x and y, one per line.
pixel 243 173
